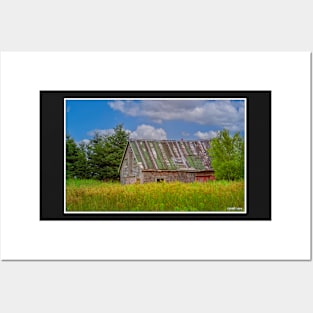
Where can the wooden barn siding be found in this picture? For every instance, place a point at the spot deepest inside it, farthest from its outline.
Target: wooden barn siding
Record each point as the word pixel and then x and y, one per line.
pixel 129 170
pixel 128 180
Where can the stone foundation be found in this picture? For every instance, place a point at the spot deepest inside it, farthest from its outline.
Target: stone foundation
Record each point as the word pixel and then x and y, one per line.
pixel 170 176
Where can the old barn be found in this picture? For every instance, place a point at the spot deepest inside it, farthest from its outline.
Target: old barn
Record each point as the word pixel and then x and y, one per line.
pixel 146 161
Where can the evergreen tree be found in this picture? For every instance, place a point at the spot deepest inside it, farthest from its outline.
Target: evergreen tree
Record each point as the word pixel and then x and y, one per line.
pixel 114 147
pixel 72 156
pixel 96 155
pixel 105 153
pixel 82 169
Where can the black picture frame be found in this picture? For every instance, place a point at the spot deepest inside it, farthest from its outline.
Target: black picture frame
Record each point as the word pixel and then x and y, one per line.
pixel 258 161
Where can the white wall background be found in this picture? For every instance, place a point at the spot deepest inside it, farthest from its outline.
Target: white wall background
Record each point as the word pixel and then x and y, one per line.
pixel 152 286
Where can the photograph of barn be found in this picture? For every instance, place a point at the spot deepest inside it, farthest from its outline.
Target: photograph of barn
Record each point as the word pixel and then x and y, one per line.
pixel 146 161
pixel 155 155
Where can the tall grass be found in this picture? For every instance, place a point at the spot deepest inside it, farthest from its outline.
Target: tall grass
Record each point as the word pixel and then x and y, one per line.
pixel 91 195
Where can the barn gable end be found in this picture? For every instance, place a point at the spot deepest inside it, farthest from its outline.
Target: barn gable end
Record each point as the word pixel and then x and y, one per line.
pixel 130 169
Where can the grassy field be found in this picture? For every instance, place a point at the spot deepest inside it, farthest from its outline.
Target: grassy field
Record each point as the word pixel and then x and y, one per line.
pixel 91 195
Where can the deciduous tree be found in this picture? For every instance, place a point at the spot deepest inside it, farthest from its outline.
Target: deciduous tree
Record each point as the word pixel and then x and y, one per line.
pixel 227 155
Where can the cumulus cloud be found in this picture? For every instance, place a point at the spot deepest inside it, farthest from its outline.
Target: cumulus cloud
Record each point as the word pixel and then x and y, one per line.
pixel 224 113
pixel 206 135
pixel 101 132
pixel 148 132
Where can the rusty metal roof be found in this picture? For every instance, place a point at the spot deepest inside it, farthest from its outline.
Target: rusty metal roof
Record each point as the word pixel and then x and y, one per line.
pixel 172 154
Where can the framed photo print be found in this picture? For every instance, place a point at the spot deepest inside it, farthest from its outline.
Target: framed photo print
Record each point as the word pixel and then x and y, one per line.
pixel 156 155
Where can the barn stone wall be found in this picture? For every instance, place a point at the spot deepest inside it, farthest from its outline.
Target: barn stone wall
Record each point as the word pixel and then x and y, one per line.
pixel 170 176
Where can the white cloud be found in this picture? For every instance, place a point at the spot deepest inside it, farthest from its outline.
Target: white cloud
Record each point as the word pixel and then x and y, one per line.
pixel 101 132
pixel 222 113
pixel 206 135
pixel 148 132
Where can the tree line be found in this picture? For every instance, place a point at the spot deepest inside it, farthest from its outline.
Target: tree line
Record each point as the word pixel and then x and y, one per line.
pixel 99 158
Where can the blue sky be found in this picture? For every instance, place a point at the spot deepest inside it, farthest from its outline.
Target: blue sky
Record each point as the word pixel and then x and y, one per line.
pixel 190 119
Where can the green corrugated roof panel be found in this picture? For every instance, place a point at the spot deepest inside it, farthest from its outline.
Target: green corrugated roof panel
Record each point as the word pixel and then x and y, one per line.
pixel 136 151
pixel 172 154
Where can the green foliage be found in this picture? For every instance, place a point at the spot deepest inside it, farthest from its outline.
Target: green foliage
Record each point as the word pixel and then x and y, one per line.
pixel 99 159
pixel 227 155
pixel 76 161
